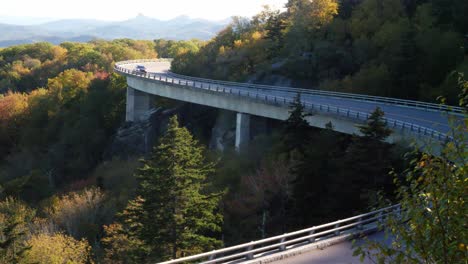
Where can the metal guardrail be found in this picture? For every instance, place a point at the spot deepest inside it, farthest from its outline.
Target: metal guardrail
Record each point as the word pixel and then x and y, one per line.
pixel 257 92
pixel 371 98
pixel 255 249
pixel 387 100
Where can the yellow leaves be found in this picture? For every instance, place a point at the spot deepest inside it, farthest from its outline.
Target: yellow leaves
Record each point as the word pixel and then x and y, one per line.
pixel 256 35
pixel 57 249
pixel 59 53
pixel 324 10
pixel 69 84
pixel 222 50
pixel 422 164
pixel 237 43
pixel 12 105
pixel 19 68
pixel 462 247
pixel 312 13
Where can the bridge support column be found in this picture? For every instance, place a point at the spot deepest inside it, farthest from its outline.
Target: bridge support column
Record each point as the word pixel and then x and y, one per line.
pixel 242 131
pixel 138 104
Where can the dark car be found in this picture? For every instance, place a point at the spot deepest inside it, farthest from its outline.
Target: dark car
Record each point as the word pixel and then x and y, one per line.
pixel 140 68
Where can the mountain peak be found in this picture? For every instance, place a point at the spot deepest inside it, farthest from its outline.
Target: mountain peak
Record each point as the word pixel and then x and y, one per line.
pixel 141 16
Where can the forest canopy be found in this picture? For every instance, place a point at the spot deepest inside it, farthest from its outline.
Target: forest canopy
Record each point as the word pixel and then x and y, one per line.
pixel 396 48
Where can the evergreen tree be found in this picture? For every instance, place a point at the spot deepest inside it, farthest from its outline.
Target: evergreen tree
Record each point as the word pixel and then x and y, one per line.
pixel 173 214
pixel 313 174
pixel 12 247
pixel 375 129
pixel 297 130
pixel 15 216
pixel 368 159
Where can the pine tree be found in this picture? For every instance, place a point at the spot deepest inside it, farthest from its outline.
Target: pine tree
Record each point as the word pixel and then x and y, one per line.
pixel 368 158
pixel 15 216
pixel 297 130
pixel 173 214
pixel 313 172
pixel 375 128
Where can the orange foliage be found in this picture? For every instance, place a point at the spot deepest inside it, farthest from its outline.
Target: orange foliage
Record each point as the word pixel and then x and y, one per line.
pixel 12 105
pixel 12 110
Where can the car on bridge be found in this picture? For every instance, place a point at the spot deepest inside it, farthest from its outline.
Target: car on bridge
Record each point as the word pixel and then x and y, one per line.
pixel 140 68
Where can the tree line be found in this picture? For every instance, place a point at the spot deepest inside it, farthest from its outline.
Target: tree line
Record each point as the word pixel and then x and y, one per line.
pixel 394 48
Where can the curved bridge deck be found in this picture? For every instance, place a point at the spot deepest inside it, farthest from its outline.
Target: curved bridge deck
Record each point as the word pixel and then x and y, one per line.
pixel 421 119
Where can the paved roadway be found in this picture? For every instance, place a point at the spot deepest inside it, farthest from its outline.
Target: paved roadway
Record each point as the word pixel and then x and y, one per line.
pixel 429 119
pixel 341 253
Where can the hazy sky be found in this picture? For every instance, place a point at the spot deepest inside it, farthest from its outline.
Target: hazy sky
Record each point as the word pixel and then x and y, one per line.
pixel 120 10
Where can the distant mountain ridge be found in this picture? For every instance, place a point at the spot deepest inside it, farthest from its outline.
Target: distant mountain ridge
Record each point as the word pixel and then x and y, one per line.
pixel 140 27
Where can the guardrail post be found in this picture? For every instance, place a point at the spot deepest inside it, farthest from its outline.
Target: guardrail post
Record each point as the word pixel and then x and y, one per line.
pixel 337 232
pixel 159 77
pixel 312 239
pixel 212 256
pixel 360 226
pixel 179 81
pixel 282 247
pixel 249 255
pixel 166 79
pixel 284 100
pixel 239 93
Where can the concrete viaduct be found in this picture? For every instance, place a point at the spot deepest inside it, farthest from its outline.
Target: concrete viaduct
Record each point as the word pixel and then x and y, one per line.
pixel 424 123
pixel 410 120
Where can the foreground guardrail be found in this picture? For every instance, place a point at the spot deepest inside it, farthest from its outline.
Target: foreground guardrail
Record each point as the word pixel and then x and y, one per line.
pixel 248 251
pixel 281 101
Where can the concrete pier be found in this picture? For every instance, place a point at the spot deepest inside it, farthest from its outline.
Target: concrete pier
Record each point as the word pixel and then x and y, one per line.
pixel 138 104
pixel 242 131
